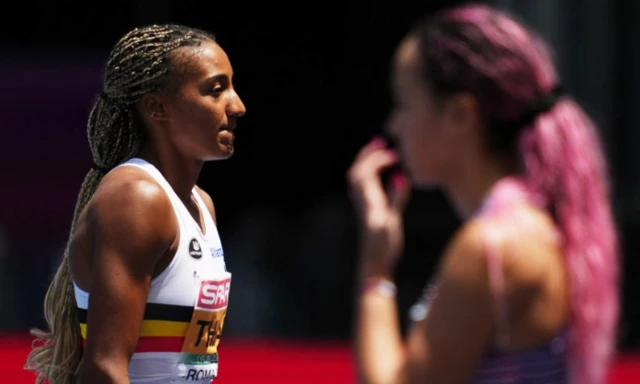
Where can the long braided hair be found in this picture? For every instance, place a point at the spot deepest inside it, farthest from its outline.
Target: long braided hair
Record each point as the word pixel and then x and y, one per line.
pixel 141 62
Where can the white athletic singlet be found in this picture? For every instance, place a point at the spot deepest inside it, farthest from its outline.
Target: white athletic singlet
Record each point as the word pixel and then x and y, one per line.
pixel 186 305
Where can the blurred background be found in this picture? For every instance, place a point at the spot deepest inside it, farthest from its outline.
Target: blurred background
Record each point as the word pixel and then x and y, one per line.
pixel 314 77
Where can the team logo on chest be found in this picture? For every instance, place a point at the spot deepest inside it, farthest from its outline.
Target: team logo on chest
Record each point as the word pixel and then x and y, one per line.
pixel 195 250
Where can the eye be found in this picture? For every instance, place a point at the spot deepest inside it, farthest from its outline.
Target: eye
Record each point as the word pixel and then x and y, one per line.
pixel 217 89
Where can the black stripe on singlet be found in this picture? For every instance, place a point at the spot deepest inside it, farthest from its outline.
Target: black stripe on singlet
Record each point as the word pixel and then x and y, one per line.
pixel 154 311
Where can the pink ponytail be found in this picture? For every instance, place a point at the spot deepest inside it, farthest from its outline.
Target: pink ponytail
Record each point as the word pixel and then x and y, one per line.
pixel 565 167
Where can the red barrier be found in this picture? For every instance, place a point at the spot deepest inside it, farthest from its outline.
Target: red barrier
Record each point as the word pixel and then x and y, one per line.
pixel 284 362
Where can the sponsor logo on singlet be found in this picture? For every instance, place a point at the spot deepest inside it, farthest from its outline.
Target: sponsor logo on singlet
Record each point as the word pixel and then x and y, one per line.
pixel 199 357
pixel 195 250
pixel 217 252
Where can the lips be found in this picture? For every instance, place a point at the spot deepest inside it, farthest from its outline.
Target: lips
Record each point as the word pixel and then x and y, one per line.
pixel 231 126
pixel 226 137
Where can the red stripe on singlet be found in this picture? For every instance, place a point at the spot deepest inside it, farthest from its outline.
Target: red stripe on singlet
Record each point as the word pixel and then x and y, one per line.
pixel 156 344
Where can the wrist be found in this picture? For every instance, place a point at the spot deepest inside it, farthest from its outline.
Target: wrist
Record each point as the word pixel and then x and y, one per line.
pixel 376 260
pixel 378 285
pixel 375 270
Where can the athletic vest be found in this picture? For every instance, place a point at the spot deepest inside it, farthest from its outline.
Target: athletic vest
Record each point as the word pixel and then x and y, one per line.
pixel 186 305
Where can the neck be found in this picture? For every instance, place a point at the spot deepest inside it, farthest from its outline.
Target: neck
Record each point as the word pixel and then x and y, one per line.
pixel 473 183
pixel 180 172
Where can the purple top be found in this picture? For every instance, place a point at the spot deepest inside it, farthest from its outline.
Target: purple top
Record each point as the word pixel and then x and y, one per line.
pixel 545 365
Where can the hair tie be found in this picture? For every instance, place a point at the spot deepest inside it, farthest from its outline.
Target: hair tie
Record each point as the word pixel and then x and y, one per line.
pixel 537 107
pixel 547 101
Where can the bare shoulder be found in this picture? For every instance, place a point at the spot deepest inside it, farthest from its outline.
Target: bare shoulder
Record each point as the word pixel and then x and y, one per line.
pixel 464 259
pixel 528 248
pixel 208 201
pixel 129 205
pixel 526 244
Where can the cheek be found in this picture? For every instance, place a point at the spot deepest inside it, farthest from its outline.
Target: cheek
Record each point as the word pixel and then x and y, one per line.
pixel 409 129
pixel 420 139
pixel 195 131
pixel 203 120
pixel 426 150
pixel 405 126
pixel 415 134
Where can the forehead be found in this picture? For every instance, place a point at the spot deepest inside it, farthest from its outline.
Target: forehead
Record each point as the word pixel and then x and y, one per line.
pixel 207 60
pixel 406 68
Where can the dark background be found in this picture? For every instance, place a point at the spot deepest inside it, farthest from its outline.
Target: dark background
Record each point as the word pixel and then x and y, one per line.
pixel 314 78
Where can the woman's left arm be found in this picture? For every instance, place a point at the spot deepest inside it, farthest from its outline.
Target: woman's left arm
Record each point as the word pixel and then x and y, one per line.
pixel 446 347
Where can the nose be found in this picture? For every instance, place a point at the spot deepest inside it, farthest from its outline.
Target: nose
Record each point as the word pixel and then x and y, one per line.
pixel 236 106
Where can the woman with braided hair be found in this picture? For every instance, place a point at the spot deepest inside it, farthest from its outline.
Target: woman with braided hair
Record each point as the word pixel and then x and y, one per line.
pixel 527 290
pixel 142 290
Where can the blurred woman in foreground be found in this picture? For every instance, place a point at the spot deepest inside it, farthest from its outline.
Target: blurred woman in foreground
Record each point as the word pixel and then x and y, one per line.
pixel 527 289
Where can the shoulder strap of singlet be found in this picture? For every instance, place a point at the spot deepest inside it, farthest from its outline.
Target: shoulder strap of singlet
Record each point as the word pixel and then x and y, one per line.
pixel 491 239
pixel 152 171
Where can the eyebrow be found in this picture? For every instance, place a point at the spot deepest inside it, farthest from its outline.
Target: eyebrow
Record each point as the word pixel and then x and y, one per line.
pixel 218 77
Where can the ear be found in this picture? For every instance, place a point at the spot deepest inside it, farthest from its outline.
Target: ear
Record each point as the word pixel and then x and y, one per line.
pixel 154 107
pixel 463 114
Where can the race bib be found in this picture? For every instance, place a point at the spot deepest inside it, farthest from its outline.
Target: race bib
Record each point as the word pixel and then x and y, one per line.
pixel 199 357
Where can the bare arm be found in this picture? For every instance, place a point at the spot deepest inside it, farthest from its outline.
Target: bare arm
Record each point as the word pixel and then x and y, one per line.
pixel 380 350
pixel 445 347
pixel 132 226
pixel 379 345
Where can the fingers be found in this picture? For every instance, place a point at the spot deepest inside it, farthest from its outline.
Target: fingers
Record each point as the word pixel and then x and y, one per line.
pixel 376 143
pixel 370 163
pixel 400 191
pixel 366 188
pixel 379 160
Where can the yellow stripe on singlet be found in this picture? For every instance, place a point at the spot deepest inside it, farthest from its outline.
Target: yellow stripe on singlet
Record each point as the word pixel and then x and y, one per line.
pixel 154 328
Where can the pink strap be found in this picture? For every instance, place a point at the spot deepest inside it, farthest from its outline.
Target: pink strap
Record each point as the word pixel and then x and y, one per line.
pixel 496 284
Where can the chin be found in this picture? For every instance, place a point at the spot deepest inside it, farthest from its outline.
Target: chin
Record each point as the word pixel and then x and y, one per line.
pixel 424 177
pixel 219 155
pixel 427 185
pixel 424 182
pixel 229 151
pixel 221 152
